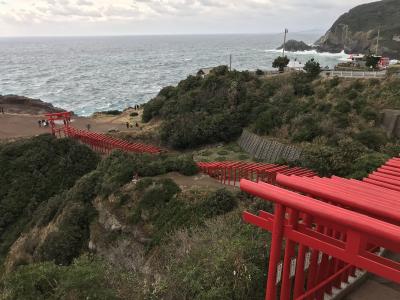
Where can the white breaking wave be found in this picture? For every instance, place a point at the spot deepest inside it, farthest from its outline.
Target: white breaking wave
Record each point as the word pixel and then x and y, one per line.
pixel 311 52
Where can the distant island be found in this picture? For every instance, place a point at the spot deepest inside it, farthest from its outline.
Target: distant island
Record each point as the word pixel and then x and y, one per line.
pixel 295 46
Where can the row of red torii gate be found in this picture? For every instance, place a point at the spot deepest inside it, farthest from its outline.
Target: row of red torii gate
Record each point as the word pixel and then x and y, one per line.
pixel 330 229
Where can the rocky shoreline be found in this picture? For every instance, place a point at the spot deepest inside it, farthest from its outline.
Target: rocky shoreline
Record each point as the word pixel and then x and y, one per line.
pixel 14 104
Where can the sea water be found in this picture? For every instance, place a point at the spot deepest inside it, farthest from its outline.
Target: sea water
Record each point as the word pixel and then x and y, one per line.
pixel 89 74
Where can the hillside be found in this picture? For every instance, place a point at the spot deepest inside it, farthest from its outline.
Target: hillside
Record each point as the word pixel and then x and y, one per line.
pixel 86 231
pixel 336 122
pixel 362 23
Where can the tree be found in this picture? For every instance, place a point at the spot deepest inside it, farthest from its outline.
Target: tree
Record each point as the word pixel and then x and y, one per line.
pixel 280 62
pixel 371 61
pixel 312 68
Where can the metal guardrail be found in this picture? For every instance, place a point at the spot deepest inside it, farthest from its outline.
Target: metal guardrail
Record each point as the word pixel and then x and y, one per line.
pixel 354 74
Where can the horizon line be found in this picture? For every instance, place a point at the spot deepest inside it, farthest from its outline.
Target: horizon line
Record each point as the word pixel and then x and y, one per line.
pixel 160 34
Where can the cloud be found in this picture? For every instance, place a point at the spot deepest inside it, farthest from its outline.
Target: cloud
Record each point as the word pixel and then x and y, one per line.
pixel 159 15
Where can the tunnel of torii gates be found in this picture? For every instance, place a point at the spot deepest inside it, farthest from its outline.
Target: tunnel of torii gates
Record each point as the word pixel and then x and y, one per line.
pixel 98 142
pixel 332 229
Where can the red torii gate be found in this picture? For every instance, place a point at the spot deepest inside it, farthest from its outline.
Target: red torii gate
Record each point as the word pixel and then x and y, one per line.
pixel 98 142
pixel 230 172
pixel 61 116
pixel 338 225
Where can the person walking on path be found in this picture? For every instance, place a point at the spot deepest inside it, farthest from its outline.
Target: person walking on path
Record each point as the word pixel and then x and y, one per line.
pixel 40 123
pixel 2 110
pixel 127 124
pixel 88 127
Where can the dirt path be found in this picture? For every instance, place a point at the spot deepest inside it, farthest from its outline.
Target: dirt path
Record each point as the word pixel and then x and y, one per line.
pixel 199 180
pixel 13 126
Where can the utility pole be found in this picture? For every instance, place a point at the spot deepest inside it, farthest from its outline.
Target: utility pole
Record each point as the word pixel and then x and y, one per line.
pixel 377 41
pixel 230 62
pixel 284 41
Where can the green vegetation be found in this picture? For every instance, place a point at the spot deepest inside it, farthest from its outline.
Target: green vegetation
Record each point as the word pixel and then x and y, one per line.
pixel 312 68
pixel 319 115
pixel 371 61
pixel 193 239
pixel 84 279
pixel 281 63
pixel 112 112
pixel 33 171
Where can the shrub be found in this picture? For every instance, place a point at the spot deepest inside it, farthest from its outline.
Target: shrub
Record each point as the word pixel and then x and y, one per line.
pixel 224 261
pixel 312 68
pixel 85 279
pixel 366 164
pixel 222 152
pixel 373 138
pixel 67 242
pixel 259 72
pixel 218 203
pixel 280 62
pixel 134 114
pixel 112 112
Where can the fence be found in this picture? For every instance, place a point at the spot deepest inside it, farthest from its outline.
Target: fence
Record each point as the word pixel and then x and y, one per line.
pixel 337 226
pixel 355 74
pixel 262 148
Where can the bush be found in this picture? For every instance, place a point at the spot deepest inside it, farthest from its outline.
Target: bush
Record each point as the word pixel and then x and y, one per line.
pixel 373 138
pixel 218 203
pixel 134 114
pixel 366 164
pixel 112 112
pixel 259 72
pixel 280 63
pixel 312 68
pixel 222 152
pixel 85 279
pixel 225 260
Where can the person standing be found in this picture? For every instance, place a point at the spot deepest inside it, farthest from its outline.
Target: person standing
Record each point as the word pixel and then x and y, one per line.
pixel 88 127
pixel 40 123
pixel 2 110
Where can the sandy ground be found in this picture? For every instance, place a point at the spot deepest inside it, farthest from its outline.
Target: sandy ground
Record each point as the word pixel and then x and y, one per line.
pixel 13 126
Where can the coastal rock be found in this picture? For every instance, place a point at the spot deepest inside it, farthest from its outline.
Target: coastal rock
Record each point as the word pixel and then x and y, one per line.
pixel 295 46
pixel 24 105
pixel 357 30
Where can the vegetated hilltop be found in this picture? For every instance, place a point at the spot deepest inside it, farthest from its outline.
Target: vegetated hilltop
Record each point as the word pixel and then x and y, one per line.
pixel 336 121
pixel 76 228
pixel 357 30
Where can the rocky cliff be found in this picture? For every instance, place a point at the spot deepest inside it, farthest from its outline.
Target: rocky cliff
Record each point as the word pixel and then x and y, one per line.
pixel 357 30
pixel 294 46
pixel 23 105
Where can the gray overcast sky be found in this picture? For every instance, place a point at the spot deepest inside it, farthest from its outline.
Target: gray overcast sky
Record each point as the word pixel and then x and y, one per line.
pixel 120 17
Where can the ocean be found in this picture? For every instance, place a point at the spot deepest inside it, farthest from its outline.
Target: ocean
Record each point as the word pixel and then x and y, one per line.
pixel 89 74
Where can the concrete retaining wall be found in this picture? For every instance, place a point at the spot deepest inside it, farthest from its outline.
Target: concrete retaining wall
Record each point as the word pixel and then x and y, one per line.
pixel 266 149
pixel 391 122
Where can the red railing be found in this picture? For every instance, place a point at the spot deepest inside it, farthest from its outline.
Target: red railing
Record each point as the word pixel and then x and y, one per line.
pixel 230 172
pixel 337 226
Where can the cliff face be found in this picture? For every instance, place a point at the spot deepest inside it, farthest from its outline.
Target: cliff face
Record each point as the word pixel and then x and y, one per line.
pixel 23 105
pixel 357 30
